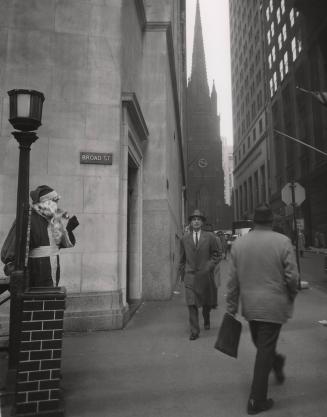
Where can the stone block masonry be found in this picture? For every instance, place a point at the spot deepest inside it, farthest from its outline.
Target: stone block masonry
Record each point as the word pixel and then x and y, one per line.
pixel 39 366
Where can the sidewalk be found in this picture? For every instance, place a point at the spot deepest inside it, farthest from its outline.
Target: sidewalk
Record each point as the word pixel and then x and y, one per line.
pixel 150 368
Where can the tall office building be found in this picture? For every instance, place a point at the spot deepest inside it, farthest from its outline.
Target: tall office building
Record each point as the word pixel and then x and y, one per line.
pixel 295 44
pixel 228 166
pixel 251 152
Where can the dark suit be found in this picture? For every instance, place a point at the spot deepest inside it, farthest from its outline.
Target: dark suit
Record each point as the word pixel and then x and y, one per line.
pixel 196 268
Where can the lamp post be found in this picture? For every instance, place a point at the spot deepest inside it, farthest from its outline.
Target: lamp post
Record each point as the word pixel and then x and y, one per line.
pixel 25 113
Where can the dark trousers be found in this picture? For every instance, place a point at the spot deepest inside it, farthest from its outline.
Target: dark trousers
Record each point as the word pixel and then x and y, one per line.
pixel 265 337
pixel 194 317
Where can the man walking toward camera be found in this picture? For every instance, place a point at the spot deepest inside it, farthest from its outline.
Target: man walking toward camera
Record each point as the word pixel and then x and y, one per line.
pixel 263 274
pixel 199 256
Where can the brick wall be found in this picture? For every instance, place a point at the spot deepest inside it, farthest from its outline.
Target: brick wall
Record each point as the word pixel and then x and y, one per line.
pixel 38 370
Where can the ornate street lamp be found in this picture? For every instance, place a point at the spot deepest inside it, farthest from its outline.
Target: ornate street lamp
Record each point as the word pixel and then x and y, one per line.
pixel 25 113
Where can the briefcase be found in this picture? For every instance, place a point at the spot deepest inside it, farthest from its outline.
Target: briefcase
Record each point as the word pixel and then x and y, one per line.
pixel 229 335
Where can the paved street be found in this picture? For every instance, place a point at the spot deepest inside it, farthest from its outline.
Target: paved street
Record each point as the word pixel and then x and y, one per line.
pixel 151 368
pixel 312 270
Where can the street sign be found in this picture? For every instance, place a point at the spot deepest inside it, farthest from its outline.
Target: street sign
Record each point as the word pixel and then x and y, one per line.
pixel 299 193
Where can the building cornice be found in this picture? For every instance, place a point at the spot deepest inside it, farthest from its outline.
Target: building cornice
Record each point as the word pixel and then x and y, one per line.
pixel 130 101
pixel 140 9
pixel 165 26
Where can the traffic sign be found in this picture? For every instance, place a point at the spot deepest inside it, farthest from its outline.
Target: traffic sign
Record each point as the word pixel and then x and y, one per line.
pixel 299 193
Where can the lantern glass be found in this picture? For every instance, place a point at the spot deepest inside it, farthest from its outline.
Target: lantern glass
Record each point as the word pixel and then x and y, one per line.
pixel 23 105
pixel 25 109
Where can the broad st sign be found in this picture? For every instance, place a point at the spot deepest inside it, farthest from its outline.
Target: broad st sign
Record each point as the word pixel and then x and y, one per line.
pixel 98 158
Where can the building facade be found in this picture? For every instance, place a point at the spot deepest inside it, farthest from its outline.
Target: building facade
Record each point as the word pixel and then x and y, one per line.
pixel 295 38
pixel 228 166
pixel 250 124
pixel 204 146
pixel 113 73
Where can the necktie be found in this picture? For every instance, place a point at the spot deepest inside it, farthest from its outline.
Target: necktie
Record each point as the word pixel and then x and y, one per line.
pixel 196 239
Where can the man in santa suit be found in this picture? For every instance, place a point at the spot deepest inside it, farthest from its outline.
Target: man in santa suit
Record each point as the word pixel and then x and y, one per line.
pixel 49 230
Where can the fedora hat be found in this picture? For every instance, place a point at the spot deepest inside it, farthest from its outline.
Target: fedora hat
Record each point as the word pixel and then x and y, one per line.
pixel 263 214
pixel 197 213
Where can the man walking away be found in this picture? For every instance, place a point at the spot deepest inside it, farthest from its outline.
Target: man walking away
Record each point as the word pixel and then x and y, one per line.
pixel 199 256
pixel 263 274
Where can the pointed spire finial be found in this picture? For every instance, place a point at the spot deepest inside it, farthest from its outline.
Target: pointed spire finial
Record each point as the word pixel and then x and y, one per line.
pixel 199 70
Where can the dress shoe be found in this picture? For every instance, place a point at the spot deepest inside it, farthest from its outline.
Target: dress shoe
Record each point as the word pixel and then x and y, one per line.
pixel 194 336
pixel 207 326
pixel 256 407
pixel 278 368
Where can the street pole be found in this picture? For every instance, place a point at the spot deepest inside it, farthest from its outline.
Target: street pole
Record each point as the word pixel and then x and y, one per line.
pixel 18 276
pixel 292 185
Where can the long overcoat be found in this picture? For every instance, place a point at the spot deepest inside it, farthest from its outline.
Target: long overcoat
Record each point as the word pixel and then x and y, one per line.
pixel 196 268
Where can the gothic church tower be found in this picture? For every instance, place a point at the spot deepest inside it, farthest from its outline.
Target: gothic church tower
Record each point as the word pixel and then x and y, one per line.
pixel 204 146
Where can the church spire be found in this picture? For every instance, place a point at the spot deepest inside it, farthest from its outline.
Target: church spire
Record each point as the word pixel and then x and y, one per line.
pixel 214 98
pixel 199 71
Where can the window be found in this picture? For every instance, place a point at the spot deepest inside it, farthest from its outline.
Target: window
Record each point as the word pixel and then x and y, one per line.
pixel 270 61
pixel 273 51
pixel 284 33
pixel 260 126
pixel 286 62
pixel 254 132
pixel 275 80
pixel 267 14
pixel 253 110
pixel 271 85
pixel 280 41
pixel 282 6
pixel 292 17
pixel 268 37
pixel 294 50
pixel 272 29
pixel 281 70
pixel 299 45
pixel 278 15
pixel 271 4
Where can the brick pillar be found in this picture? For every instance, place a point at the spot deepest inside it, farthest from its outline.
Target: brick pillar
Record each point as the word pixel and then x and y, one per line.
pixel 38 370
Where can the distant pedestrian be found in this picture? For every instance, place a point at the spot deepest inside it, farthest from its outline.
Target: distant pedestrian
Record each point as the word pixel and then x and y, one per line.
pixel 50 229
pixel 263 275
pixel 301 242
pixel 223 241
pixel 199 255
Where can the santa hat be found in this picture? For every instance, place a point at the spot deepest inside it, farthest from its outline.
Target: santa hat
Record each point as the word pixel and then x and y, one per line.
pixel 43 193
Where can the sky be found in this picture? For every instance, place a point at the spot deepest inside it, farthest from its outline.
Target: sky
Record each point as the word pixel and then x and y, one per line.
pixel 215 27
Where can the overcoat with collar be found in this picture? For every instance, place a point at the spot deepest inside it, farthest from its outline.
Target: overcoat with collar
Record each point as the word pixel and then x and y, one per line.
pixel 196 268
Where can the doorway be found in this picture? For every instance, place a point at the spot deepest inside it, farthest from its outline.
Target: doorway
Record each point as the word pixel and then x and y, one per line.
pixel 133 247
